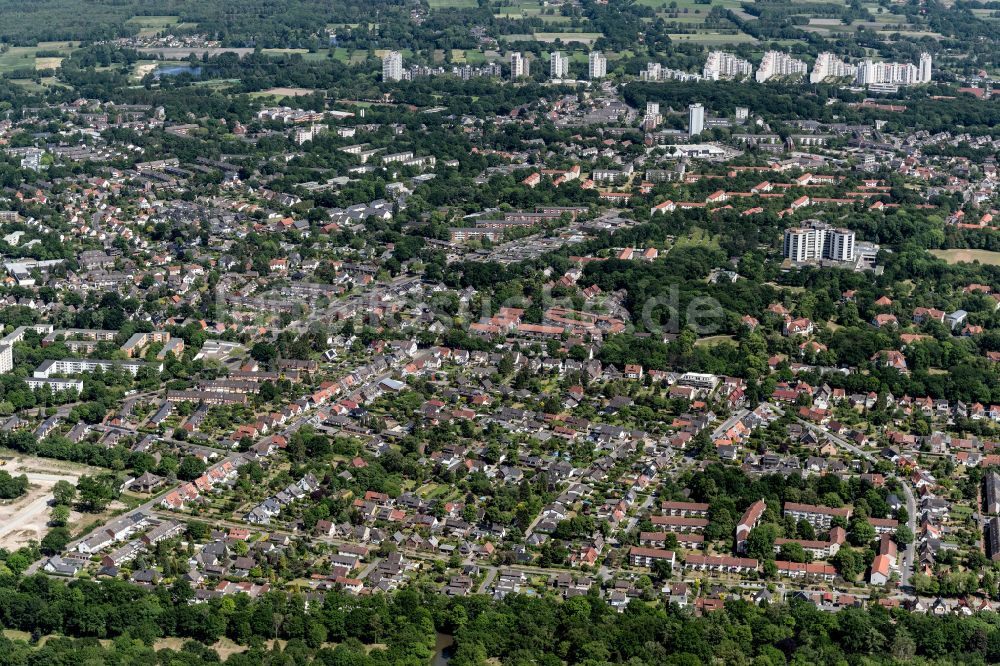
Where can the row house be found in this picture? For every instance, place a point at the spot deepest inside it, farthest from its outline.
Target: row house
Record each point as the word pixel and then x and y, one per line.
pixel 820 517
pixel 685 540
pixel 645 557
pixel 719 564
pixel 814 571
pixel 686 509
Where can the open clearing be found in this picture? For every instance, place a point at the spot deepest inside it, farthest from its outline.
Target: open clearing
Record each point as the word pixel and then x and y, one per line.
pixel 25 518
pixel 151 25
pixel 714 340
pixel 284 92
pixel 956 256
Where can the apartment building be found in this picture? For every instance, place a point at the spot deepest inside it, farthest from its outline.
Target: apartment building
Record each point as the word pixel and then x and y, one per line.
pixel 597 65
pixel 644 557
pixel 751 517
pixel 719 564
pixel 680 523
pixel 820 517
pixel 818 240
pixel 75 366
pixel 778 64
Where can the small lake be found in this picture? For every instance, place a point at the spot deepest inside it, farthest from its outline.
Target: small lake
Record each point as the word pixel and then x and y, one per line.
pixel 444 647
pixel 176 71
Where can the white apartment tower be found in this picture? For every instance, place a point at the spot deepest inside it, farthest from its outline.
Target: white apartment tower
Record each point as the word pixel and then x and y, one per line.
pixel 828 65
pixel 598 66
pixel 776 63
pixel 925 68
pixel 818 240
pixel 696 119
pixel 894 73
pixel 519 66
pixel 558 65
pixel 723 65
pixel 392 66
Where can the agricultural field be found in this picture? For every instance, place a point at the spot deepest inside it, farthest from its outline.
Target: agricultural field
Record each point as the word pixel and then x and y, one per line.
pixel 25 57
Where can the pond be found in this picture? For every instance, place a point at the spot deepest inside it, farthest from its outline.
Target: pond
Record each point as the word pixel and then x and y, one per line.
pixel 444 648
pixel 177 70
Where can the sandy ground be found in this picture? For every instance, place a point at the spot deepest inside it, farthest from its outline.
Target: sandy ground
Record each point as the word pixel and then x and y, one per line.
pixel 288 92
pixel 25 518
pixel 144 69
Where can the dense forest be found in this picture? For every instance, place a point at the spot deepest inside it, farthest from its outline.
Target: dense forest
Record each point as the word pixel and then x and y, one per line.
pixel 342 630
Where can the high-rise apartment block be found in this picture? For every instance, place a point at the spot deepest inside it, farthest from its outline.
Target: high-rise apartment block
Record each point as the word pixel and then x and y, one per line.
pixel 392 66
pixel 598 65
pixel 776 63
pixel 723 65
pixel 817 240
pixel 558 65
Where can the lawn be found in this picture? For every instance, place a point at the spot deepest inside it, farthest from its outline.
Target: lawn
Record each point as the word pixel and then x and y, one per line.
pixel 582 37
pixel 311 56
pixel 690 5
pixel 452 4
pixel 714 340
pixel 957 256
pixel 714 38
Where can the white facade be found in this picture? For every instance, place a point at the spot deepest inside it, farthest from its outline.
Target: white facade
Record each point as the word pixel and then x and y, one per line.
pixel 776 63
pixel 724 65
pixel 519 66
pixel 924 68
pixel 558 65
pixel 392 66
pixel 828 65
pixel 55 385
pixel 6 358
pixel 894 73
pixel 75 366
pixel 598 65
pixel 696 119
pixel 656 72
pixel 819 241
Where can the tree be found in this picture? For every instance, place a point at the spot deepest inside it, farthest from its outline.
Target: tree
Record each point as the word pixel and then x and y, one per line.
pixel 903 536
pixel 12 487
pixel 860 533
pixel 191 468
pixel 60 515
pixel 662 569
pixel 264 352
pixel 64 492
pixel 95 493
pixel 793 552
pixel 849 562
pixel 55 541
pixel 760 543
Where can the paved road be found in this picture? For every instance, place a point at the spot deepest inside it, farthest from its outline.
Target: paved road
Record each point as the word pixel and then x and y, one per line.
pixel 491 573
